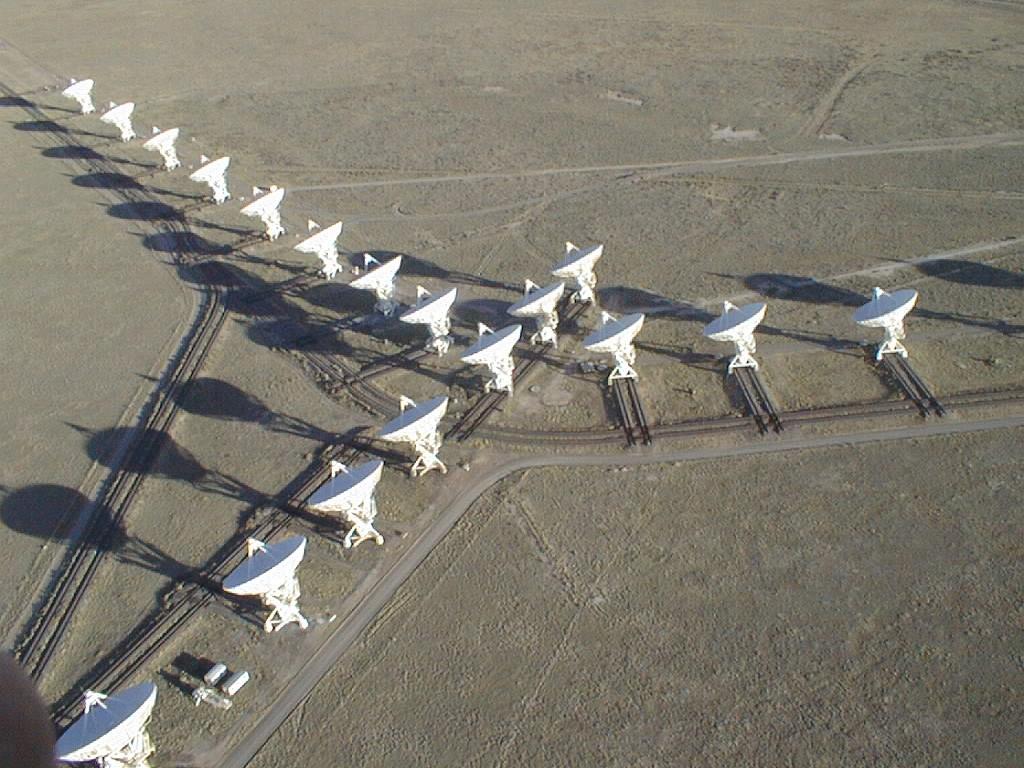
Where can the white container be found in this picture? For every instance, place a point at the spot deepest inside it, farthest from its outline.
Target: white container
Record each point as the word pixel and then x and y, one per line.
pixel 215 674
pixel 234 683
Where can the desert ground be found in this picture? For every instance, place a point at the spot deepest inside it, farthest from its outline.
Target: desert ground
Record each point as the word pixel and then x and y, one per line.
pixel 842 605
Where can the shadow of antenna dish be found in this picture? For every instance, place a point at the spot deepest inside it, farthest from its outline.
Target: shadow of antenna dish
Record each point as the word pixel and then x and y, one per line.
pixel 214 175
pixel 121 118
pixel 163 143
pixel 615 337
pixel 578 265
pixel 736 325
pixel 887 311
pixel 347 490
pixel 109 727
pixel 81 91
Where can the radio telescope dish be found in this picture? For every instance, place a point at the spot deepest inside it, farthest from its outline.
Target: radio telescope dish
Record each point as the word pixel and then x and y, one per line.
pixel 81 91
pixel 112 730
pixel 737 324
pixel 350 492
pixel 417 425
pixel 578 265
pixel 268 210
pixel 269 573
pixel 541 303
pixel 494 350
pixel 163 143
pixel 615 337
pixel 381 280
pixel 121 118
pixel 214 174
pixel 325 245
pixel 887 311
pixel 432 311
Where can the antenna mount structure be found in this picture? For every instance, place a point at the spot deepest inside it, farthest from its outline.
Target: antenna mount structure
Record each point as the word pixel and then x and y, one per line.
pixel 112 730
pixel 269 573
pixel 578 265
pixel 380 278
pixel 120 116
pixel 81 91
pixel 432 311
pixel 324 244
pixel 268 210
pixel 887 311
pixel 542 304
pixel 615 337
pixel 417 425
pixel 352 496
pixel 214 175
pixel 494 350
pixel 163 143
pixel 737 324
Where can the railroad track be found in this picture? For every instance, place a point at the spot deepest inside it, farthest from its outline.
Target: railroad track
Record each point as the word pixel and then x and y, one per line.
pixel 487 403
pixel 757 400
pixel 631 412
pixel 196 591
pixel 899 370
pixel 64 594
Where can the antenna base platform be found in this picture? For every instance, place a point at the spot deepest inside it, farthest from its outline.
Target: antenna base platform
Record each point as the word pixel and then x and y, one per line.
pixel 891 347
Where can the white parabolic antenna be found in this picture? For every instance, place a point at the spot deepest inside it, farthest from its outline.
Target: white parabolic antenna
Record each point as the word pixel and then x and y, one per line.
pixel 887 311
pixel 432 311
pixel 381 280
pixel 542 304
pixel 112 730
pixel 494 350
pixel 737 324
pixel 163 143
pixel 324 244
pixel 269 573
pixel 350 493
pixel 121 118
pixel 417 425
pixel 81 91
pixel 268 210
pixel 615 337
pixel 578 265
pixel 214 174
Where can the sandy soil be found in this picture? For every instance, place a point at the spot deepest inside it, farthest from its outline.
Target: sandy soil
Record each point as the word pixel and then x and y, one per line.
pixel 709 147
pixel 717 613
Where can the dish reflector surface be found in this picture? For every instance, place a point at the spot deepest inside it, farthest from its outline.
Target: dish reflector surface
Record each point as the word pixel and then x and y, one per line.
pixel 414 421
pixel 736 323
pixel 613 335
pixel 885 307
pixel 267 569
pixel 347 489
pixel 540 301
pixel 268 202
pixel 493 346
pixel 212 170
pixel 577 260
pixel 321 241
pixel 107 726
pixel 382 273
pixel 433 307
